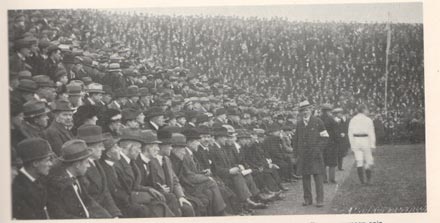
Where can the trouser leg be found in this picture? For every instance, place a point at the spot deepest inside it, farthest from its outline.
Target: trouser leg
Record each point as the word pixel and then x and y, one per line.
pixel 307 189
pixel 319 187
pixel 331 174
pixel 360 171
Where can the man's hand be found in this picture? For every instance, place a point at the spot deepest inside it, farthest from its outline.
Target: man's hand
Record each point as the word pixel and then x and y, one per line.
pixel 234 170
pixel 183 200
pixel 157 194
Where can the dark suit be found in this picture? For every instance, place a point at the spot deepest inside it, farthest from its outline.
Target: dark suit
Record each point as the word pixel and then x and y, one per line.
pixel 342 142
pixel 121 195
pixel 222 162
pixel 265 177
pixel 309 145
pixel 29 199
pixel 130 179
pixel 274 148
pixel 197 184
pixel 95 181
pixel 57 135
pixel 63 202
pixel 165 175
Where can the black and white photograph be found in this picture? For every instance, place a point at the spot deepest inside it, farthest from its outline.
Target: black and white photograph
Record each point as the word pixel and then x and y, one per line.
pixel 214 111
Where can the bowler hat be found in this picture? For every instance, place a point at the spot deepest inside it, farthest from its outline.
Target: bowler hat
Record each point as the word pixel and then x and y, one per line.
pixel 27 86
pixel 32 149
pixel 34 108
pixel 130 113
pixel 220 111
pixel 74 150
pixel 202 118
pixel 62 105
pixel 95 88
pixel 87 80
pixel 44 81
pixel 114 67
pixel 164 135
pixel 154 111
pixel 191 114
pixel 191 133
pixel 204 130
pixel 178 139
pixel 52 48
pixel 22 43
pixel 90 133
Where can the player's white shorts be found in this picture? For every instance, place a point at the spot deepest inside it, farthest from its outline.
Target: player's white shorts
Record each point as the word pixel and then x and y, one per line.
pixel 363 157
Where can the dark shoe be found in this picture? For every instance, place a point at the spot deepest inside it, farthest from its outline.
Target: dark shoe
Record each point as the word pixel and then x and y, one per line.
pixel 284 188
pixel 265 197
pixel 296 177
pixel 333 182
pixel 258 206
pixel 319 205
pixel 306 203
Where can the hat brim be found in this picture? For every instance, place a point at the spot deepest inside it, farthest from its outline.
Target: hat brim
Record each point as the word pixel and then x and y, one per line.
pixel 93 139
pixel 38 157
pixel 152 142
pixel 305 107
pixel 86 154
pixel 96 91
pixel 26 89
pixel 46 110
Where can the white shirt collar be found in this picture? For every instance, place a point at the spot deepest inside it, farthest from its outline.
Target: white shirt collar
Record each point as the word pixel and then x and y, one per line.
pixel 144 158
pixel 109 162
pixel 204 147
pixel 30 177
pixel 92 162
pixel 160 159
pixel 70 174
pixel 218 145
pixel 189 151
pixel 154 125
pixel 125 157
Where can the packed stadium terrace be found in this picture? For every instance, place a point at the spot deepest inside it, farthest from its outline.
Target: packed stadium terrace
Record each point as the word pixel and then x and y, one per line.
pixel 253 70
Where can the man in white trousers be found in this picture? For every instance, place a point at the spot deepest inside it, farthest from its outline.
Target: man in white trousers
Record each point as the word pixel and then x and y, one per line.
pixel 362 141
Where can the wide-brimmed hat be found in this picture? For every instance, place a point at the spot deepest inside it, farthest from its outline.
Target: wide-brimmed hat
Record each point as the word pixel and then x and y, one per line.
pixel 326 107
pixel 120 93
pixel 133 91
pixel 74 150
pixel 304 105
pixel 150 137
pixel 178 139
pixel 220 131
pixel 164 135
pixel 90 134
pixel 204 130
pixel 95 88
pixel 274 127
pixel 27 85
pixel 34 108
pixel 154 111
pixel 62 105
pixel 132 135
pixel 130 113
pixel 73 90
pixel 114 67
pixel 143 91
pixel 32 149
pixel 243 133
pixel 191 133
pixel 44 81
pixel 338 110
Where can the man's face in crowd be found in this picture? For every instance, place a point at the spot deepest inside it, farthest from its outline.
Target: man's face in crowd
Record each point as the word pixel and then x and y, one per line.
pixel 96 97
pixel 151 150
pixel 25 52
pixel 165 149
pixel 231 140
pixel 114 153
pixel 133 150
pixel 306 113
pixel 194 144
pixel 135 99
pixel 96 149
pixel 81 167
pixel 181 120
pixel 140 118
pixel 57 56
pixel 65 118
pixel 43 166
pixel 159 120
pixel 205 139
pixel 42 121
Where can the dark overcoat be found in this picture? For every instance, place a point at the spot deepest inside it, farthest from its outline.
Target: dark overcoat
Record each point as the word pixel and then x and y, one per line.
pixel 309 145
pixel 57 135
pixel 28 198
pixel 330 149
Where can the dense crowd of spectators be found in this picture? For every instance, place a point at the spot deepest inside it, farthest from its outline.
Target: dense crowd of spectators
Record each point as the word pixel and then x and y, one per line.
pixel 202 68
